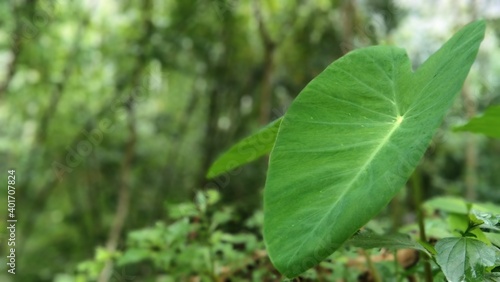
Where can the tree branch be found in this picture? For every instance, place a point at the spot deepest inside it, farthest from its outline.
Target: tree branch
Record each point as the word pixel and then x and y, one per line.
pixel 123 195
pixel 269 48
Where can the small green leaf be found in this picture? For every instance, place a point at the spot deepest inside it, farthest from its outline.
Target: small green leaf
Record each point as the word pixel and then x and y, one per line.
pixel 371 240
pixel 213 196
pixel 201 201
pixel 474 220
pixel 428 246
pixel 133 256
pixel 487 124
pixel 494 238
pixel 459 205
pixel 489 221
pixel 177 211
pixel 492 277
pixel 461 225
pixel 349 142
pixel 247 150
pixel 220 217
pixel 464 259
pixel 487 207
pixel 447 204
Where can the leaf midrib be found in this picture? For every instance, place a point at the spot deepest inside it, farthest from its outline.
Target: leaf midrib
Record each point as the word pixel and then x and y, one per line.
pixel 385 141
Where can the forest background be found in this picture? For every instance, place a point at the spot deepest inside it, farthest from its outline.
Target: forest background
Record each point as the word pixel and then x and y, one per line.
pixel 111 113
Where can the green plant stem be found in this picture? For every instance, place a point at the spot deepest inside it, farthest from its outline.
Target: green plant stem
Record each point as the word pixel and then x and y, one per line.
pixel 418 199
pixel 206 236
pixel 371 267
pixel 396 265
pixel 397 212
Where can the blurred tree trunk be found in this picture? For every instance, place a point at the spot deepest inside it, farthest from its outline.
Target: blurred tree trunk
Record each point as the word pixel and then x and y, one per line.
pixel 269 47
pixel 24 30
pixel 470 163
pixel 223 96
pixel 348 25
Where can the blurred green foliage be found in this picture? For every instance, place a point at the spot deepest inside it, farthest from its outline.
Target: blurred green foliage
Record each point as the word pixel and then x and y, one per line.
pixel 113 111
pixel 488 124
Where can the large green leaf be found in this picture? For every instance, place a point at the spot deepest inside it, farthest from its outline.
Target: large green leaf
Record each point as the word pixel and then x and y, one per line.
pixel 349 142
pixel 247 150
pixel 487 124
pixel 464 259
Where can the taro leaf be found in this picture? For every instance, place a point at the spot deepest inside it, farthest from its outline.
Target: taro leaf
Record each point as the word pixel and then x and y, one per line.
pixel 247 150
pixel 487 124
pixel 464 259
pixel 370 240
pixel 349 142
